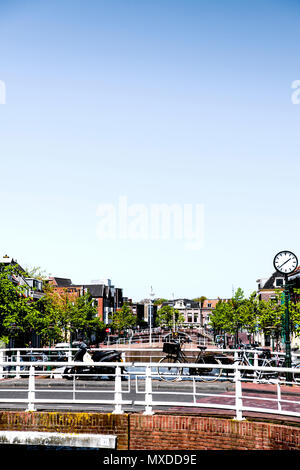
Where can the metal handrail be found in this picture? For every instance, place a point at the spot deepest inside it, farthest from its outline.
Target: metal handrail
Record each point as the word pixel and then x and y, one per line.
pixel 149 376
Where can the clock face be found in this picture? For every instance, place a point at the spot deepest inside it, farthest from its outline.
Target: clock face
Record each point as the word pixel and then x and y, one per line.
pixel 285 262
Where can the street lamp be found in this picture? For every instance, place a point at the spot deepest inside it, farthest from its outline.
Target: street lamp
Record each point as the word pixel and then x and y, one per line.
pixel 285 262
pixel 150 315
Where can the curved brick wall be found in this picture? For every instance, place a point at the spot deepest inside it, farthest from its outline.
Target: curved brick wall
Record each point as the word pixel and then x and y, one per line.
pixel 161 431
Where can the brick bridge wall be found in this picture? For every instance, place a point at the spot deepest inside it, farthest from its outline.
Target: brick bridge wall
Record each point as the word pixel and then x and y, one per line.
pixel 161 431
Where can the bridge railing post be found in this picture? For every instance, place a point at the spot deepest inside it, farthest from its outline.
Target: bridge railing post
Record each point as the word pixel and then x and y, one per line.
pixel 238 394
pixel 18 368
pixel 1 363
pixel 256 365
pixel 31 390
pixel 148 392
pixel 118 391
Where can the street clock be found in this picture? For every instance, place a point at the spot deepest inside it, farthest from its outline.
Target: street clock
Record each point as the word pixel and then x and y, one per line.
pixel 285 262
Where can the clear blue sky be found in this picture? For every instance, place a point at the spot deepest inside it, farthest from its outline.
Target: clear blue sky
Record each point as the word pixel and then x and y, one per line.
pixel 161 101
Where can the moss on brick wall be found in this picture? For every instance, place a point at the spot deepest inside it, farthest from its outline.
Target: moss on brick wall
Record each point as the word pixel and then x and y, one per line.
pixel 161 431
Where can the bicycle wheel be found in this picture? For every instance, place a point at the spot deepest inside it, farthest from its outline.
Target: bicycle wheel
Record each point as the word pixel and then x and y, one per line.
pixel 169 373
pixel 244 372
pixel 296 375
pixel 209 374
pixel 265 374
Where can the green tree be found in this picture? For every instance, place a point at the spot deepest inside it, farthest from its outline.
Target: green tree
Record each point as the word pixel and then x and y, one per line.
pixel 159 301
pixel 200 299
pixel 254 315
pixel 235 314
pixel 169 316
pixel 16 307
pixel 56 309
pixel 83 317
pixel 65 314
pixel 123 318
pixel 295 313
pixel 220 317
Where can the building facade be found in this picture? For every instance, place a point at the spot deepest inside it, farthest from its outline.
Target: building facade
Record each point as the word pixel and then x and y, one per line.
pixel 106 297
pixel 195 314
pixel 268 288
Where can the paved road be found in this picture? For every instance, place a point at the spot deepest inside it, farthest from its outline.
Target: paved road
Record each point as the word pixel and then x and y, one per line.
pixel 60 389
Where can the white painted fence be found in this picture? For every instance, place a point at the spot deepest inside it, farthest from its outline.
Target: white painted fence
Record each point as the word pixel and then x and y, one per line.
pixel 143 382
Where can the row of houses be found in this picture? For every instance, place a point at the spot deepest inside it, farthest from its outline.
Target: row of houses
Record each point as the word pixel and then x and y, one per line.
pixel 32 287
pixel 268 287
pixel 108 298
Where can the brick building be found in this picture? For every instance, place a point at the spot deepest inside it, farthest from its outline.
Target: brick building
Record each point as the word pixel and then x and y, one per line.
pixel 295 278
pixel 107 298
pixel 267 288
pixel 195 313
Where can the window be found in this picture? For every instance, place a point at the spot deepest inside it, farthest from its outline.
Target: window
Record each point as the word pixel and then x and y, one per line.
pixel 209 305
pixel 279 282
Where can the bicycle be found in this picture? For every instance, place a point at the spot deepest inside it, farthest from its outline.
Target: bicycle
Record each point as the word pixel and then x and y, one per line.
pixel 265 359
pixel 296 375
pixel 175 355
pixel 280 361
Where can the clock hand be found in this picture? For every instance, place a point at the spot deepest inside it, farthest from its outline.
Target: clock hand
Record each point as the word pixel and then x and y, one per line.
pixel 285 262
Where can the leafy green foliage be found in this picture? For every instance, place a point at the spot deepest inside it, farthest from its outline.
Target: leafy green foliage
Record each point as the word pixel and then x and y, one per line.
pixel 253 314
pixel 54 316
pixel 15 307
pixel 122 319
pixel 169 316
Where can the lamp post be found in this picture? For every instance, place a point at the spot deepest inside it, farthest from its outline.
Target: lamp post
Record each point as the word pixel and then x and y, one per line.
pixel 150 315
pixel 285 262
pixel 287 329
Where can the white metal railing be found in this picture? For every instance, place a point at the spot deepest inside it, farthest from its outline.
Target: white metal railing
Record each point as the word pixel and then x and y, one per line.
pixel 237 399
pixel 30 391
pixel 187 392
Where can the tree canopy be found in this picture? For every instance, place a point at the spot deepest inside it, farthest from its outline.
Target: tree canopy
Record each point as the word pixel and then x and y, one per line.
pixel 169 316
pixel 253 314
pixel 123 318
pixel 54 317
